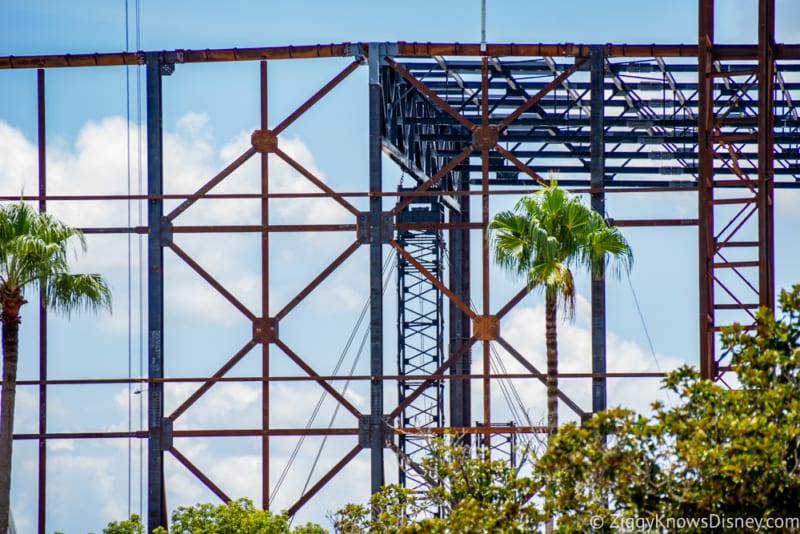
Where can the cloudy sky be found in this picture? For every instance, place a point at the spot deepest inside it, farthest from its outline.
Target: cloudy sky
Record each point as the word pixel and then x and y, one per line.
pixel 209 112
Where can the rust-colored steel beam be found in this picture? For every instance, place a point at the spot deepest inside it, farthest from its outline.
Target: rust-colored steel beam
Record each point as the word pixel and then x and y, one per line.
pixel 766 135
pixel 183 460
pixel 310 372
pixel 316 181
pixel 208 383
pixel 254 432
pixel 324 480
pixel 212 281
pixel 208 186
pixel 244 228
pixel 435 281
pixel 81 435
pixel 516 299
pixel 542 377
pixel 458 353
pixel 653 222
pixel 533 100
pixel 521 165
pixel 318 280
pixel 705 177
pixel 425 90
pixel 610 188
pixel 436 178
pixel 108 59
pixel 477 429
pixel 327 378
pixel 265 293
pixel 316 97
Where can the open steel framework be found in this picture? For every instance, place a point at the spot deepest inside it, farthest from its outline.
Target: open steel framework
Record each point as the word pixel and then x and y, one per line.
pixel 467 120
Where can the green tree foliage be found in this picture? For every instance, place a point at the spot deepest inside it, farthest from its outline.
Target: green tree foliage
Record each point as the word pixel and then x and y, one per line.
pixel 719 459
pixel 236 517
pixel 34 252
pixel 720 453
pixel 470 492
pixel 133 525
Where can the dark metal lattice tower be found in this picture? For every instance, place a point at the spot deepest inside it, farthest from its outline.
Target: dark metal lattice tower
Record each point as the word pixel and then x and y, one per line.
pixel 719 121
pixel 420 332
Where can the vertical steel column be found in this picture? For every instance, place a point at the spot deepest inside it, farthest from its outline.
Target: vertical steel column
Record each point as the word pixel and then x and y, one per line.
pixel 375 270
pixel 485 261
pixel 766 114
pixel 156 506
pixel 705 177
pixel 265 367
pixel 460 323
pixel 598 200
pixel 42 146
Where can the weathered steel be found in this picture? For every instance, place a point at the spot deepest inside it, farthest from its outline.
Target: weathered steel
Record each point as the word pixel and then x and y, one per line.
pixel 41 135
pixel 194 397
pixel 200 475
pixel 454 118
pixel 317 280
pixel 156 493
pixel 265 283
pixel 705 177
pixel 460 322
pixel 598 202
pixel 376 413
pixel 766 153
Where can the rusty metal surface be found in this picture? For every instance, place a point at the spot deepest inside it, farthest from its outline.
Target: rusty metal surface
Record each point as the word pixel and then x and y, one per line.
pixel 108 59
pixel 714 141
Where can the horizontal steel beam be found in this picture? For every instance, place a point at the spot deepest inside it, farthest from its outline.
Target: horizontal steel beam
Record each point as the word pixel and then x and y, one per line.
pixel 405 49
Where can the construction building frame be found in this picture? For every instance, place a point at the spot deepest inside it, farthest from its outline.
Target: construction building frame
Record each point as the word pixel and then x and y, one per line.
pixel 466 121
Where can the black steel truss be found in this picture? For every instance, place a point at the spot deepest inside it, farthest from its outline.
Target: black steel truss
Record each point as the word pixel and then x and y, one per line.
pixel 650 118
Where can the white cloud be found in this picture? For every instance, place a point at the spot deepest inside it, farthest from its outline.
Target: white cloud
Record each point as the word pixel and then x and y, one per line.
pixel 18 162
pixel 524 330
pixel 97 163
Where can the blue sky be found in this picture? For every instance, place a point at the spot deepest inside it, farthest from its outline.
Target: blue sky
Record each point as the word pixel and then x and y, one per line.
pixel 209 112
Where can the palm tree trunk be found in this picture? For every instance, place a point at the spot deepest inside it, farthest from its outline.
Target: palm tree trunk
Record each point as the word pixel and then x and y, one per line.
pixel 551 342
pixel 10 320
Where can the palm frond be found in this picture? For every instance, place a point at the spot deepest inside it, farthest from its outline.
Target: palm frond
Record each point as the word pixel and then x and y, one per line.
pixel 34 247
pixel 551 231
pixel 66 293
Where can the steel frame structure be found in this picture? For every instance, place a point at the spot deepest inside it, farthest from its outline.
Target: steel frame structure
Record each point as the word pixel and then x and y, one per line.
pixel 420 333
pixel 471 122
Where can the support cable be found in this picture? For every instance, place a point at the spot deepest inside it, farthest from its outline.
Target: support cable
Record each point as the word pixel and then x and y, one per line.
pixel 508 389
pixel 324 394
pixel 388 276
pixel 129 256
pixel 130 291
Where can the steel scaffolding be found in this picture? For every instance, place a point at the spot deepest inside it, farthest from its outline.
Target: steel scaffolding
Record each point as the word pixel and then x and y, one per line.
pixel 420 335
pixel 465 124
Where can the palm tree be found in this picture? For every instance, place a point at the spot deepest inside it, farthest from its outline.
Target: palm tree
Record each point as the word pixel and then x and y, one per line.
pixel 33 251
pixel 544 236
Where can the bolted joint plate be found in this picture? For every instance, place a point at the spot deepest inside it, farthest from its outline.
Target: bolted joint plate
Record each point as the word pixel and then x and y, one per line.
pixel 363 227
pixel 265 330
pixel 485 137
pixel 166 434
pixel 486 327
pixel 264 141
pixel 167 69
pixel 365 431
pixel 166 232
